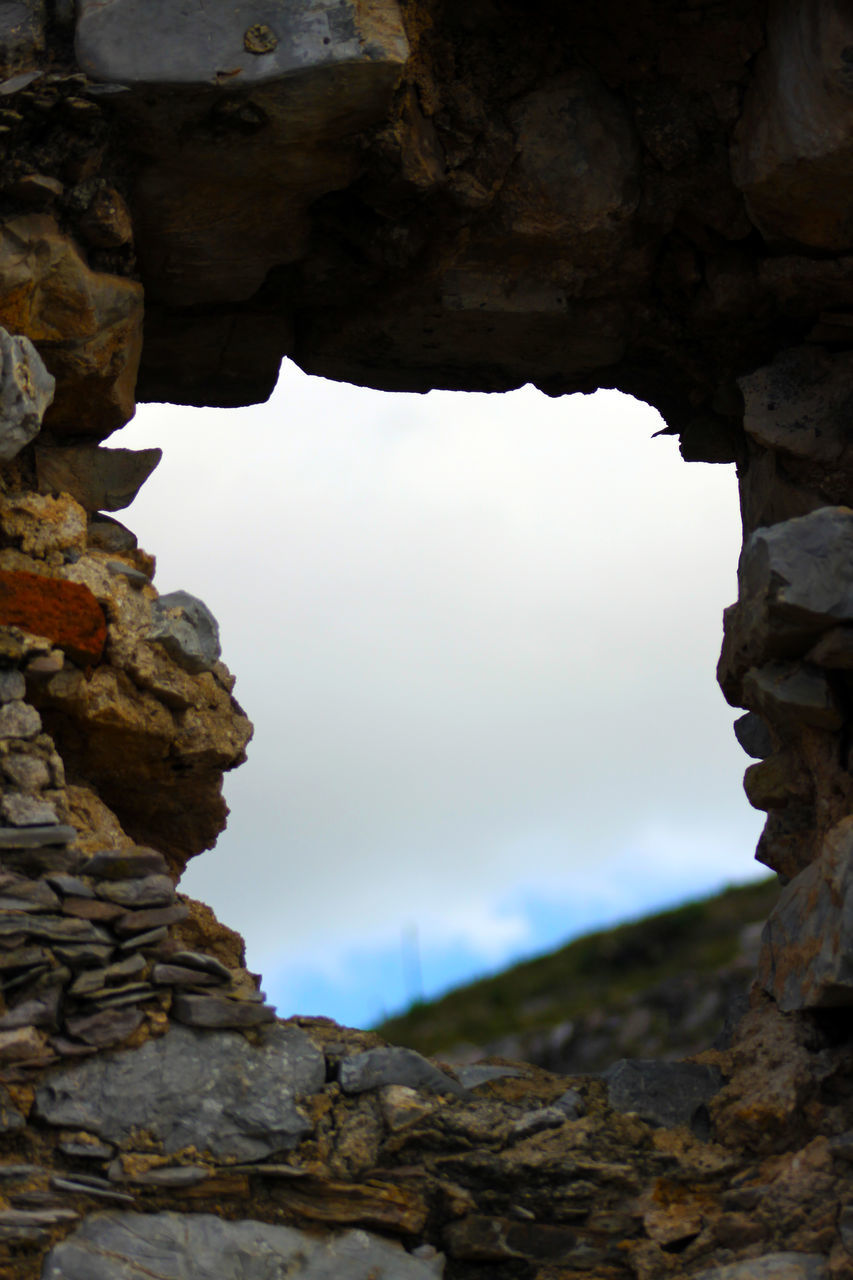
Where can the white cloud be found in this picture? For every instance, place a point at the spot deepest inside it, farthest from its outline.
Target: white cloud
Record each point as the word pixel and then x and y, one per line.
pixel 477 635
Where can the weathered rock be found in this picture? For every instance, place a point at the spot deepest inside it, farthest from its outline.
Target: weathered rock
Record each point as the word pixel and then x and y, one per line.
pixel 26 811
pixel 793 143
pixel 23 1044
pixel 99 479
pixel 807 945
pixel 774 782
pixel 175 975
pixel 753 735
pixel 34 837
pixel 110 535
pixel 772 1266
pixel 87 326
pixel 205 964
pixel 105 1029
pixel 65 612
pixel 39 524
pixel 26 390
pixel 21 33
pixel 791 694
pixel 378 1067
pixel 795 582
pixel 664 1093
pixel 124 864
pixel 138 922
pixel 143 891
pixel 17 719
pixel 10 1116
pixel 219 1011
pixel 171 1246
pixel 13 687
pixel 187 630
pixel 801 404
pixel 214 1092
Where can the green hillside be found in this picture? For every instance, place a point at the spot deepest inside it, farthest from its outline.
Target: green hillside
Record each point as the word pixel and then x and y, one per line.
pixel 679 969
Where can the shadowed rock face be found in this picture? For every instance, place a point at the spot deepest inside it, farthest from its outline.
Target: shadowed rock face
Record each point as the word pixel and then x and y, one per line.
pixel 650 195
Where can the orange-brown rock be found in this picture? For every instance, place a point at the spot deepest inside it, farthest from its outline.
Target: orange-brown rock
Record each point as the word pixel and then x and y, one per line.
pixel 65 612
pixel 87 325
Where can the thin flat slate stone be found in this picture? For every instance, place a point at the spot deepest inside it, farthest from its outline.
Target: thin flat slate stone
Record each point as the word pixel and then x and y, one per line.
pixel 219 1011
pixel 150 918
pixel 36 837
pixel 213 1091
pixel 142 891
pixel 772 1266
pixel 198 1246
pixel 196 960
pixel 125 864
pixel 50 928
pixel 377 1067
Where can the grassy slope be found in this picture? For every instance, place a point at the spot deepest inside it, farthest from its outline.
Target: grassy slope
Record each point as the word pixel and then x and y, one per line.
pixel 599 970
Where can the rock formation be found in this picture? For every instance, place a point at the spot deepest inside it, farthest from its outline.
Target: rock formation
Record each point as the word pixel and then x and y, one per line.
pixel 649 196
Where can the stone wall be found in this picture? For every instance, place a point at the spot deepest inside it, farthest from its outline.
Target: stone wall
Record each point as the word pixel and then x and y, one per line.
pixel 652 196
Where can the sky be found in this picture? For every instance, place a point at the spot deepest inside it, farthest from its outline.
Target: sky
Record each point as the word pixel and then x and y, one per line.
pixel 477 637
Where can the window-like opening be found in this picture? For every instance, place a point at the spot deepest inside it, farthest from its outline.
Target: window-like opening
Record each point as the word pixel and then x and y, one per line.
pixel 477 636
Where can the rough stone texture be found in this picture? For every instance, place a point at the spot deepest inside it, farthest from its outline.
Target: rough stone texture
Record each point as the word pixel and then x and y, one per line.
pixel 773 1266
pixel 213 1092
pixel 171 1246
pixel 187 630
pixel 794 144
pixel 99 479
pixel 666 1093
pixel 26 390
pixel 86 325
pixel 65 612
pixel 807 945
pixel 380 1067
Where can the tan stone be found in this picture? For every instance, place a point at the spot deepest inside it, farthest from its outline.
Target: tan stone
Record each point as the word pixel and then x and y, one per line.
pixel 39 524
pixel 87 325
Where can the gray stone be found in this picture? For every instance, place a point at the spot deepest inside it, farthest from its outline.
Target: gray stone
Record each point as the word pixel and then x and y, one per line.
pixel 213 1091
pixel 21 33
pixel 80 955
pixel 772 1266
pixel 21 810
pixel 150 918
pixel 791 694
pixel 845 1227
pixel 219 1011
pixel 135 576
pixel 175 975
pixel 147 939
pixel 753 735
pixel 97 1188
pixel 84 1146
pixel 377 1067
pixel 50 928
pixel 99 479
pixel 471 1077
pixel 125 864
pixel 36 1217
pixel 13 686
pixel 664 1093
pixel 806 958
pixel 795 581
pixel 129 42
pixel 110 535
pixel 143 891
pixel 28 895
pixel 36 837
pixel 92 980
pixel 182 1175
pixel 26 387
pixel 19 720
pixel 106 1028
pixel 207 964
pixel 801 404
pixel 39 1011
pixel 187 630
pixel 572 1103
pixel 27 773
pixel 69 886
pixel 173 1246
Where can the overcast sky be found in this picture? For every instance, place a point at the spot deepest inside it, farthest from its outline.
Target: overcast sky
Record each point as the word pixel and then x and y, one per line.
pixel 477 637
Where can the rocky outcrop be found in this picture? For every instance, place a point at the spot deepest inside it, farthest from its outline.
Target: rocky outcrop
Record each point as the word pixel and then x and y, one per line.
pixel 645 196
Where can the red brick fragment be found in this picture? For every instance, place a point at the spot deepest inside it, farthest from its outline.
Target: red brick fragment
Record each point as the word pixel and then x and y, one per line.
pixel 65 612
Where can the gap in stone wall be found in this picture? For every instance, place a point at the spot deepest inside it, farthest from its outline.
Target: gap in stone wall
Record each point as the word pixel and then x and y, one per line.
pixel 476 635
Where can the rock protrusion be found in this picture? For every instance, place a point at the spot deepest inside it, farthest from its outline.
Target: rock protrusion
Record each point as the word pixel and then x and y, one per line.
pixel 26 391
